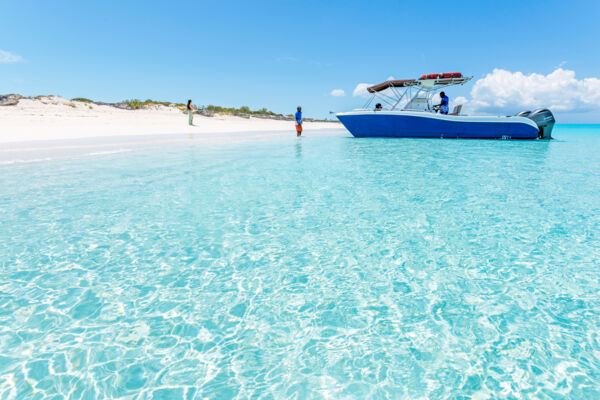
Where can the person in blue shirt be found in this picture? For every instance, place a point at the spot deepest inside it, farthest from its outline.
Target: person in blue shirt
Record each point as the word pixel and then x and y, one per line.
pixel 443 106
pixel 299 121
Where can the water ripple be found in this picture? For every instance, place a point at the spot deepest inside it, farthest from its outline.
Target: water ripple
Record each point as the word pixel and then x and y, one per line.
pixel 321 268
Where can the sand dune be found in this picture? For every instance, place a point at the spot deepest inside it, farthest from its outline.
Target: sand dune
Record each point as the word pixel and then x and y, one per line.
pixel 49 118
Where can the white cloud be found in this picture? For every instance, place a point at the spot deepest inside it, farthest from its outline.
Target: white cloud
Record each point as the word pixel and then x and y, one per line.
pixel 460 100
pixel 361 90
pixel 338 93
pixel 506 91
pixel 8 57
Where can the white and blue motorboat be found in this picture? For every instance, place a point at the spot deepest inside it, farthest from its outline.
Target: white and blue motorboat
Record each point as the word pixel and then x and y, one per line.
pixel 409 112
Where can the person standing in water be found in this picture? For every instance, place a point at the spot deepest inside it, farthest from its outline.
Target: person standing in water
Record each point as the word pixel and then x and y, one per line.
pixel 299 121
pixel 190 111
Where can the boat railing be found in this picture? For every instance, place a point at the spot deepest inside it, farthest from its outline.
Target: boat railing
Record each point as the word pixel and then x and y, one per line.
pixel 414 93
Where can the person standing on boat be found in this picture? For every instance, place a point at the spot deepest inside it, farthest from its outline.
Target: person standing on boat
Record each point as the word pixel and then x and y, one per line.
pixel 443 106
pixel 298 121
pixel 190 111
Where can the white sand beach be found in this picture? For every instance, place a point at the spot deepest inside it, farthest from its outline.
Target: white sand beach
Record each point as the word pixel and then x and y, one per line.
pixel 54 118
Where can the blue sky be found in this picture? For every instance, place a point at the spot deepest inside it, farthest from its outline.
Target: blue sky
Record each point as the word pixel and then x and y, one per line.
pixel 279 54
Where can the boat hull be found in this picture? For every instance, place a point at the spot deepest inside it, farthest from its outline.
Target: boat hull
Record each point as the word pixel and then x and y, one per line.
pixel 430 125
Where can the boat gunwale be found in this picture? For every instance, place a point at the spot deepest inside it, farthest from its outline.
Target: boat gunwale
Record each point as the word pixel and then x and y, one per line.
pixel 444 117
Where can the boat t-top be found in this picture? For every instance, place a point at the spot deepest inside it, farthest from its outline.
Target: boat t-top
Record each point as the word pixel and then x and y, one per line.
pixel 409 112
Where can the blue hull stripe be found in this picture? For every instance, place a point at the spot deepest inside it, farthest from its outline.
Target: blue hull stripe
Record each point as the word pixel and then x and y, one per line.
pixel 381 125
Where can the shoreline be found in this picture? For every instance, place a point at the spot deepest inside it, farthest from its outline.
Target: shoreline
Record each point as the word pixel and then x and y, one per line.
pixel 34 151
pixel 52 118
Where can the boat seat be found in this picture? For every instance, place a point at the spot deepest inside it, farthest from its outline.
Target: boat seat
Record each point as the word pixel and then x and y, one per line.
pixel 456 110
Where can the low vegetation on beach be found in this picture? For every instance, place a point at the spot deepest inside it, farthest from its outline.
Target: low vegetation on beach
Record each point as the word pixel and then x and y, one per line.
pixel 136 104
pixel 82 99
pixel 246 112
pixel 241 110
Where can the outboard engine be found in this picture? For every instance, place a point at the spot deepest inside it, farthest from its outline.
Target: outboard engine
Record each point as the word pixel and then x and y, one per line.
pixel 544 120
pixel 524 114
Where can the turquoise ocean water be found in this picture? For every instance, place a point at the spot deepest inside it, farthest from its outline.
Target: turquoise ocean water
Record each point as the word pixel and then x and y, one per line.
pixel 321 267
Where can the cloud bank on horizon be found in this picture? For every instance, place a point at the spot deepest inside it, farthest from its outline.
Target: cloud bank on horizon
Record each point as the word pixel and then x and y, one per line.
pixel 503 91
pixel 559 91
pixel 7 57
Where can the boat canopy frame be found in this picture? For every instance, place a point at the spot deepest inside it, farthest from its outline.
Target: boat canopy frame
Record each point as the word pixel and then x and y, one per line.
pixel 413 89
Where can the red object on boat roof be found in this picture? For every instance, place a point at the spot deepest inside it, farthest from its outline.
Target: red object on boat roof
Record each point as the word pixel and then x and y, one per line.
pixel 451 75
pixel 388 84
pixel 444 75
pixel 440 79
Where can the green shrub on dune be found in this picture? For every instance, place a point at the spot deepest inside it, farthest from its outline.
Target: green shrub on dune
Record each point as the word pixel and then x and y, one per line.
pixel 242 110
pixel 137 104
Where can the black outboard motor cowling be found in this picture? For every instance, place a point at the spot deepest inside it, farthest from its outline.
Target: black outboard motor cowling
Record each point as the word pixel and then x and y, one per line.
pixel 544 120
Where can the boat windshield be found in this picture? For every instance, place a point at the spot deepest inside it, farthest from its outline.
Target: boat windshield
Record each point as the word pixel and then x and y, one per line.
pixel 420 102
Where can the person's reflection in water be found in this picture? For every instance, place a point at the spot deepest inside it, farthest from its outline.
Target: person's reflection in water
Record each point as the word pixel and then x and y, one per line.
pixel 298 148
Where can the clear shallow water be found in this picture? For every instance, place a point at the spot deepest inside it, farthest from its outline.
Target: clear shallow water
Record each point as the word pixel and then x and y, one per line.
pixel 321 267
